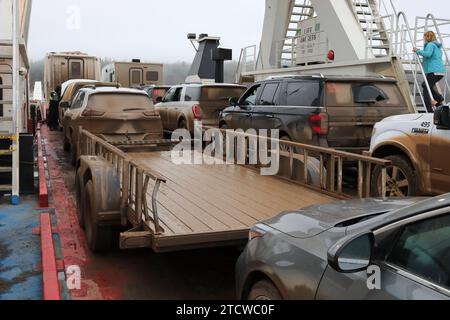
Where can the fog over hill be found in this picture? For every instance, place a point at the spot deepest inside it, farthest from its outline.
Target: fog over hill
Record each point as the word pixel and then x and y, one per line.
pixel 174 73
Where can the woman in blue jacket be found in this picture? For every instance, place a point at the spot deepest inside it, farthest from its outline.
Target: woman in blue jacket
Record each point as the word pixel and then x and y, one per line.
pixel 434 69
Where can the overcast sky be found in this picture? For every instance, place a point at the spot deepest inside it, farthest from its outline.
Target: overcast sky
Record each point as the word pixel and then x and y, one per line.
pixel 155 30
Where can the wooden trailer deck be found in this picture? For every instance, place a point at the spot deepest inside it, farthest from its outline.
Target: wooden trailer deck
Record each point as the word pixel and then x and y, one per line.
pixel 204 205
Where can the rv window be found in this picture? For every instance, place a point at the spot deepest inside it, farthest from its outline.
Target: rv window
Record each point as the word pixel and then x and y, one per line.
pixel 136 77
pixel 304 94
pixel 1 98
pixel 75 67
pixel 152 76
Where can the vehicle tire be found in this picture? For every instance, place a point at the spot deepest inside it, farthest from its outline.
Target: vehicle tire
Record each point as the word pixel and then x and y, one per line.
pixel 99 238
pixel 66 145
pixel 264 290
pixel 73 154
pixel 401 178
pixel 80 197
pixel 283 147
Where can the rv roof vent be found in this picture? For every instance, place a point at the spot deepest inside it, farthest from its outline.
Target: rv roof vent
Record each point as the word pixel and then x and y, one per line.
pixel 136 60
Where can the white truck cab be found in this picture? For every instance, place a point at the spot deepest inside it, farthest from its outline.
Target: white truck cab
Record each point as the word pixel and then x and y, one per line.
pixel 419 148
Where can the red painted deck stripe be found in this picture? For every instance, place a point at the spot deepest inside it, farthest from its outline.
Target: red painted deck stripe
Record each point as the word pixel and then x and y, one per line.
pixel 49 267
pixel 43 191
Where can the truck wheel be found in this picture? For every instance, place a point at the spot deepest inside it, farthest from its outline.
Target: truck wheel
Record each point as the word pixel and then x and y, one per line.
pixel 66 145
pixel 401 178
pixel 264 290
pixel 80 197
pixel 98 238
pixel 73 155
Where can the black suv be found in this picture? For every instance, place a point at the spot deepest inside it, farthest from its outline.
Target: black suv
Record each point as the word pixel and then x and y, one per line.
pixel 335 111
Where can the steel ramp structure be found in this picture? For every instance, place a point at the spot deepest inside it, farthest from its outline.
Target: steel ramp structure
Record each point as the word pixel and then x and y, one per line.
pixel 359 32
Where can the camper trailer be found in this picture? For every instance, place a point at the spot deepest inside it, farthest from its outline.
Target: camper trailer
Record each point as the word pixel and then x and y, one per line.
pixel 64 66
pixel 133 74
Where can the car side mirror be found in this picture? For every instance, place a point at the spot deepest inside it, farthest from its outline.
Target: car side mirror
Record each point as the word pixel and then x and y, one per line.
pixel 442 118
pixel 352 254
pixel 65 104
pixel 234 101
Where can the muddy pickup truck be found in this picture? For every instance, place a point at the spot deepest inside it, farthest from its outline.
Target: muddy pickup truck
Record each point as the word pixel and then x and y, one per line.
pixel 133 191
pixel 418 147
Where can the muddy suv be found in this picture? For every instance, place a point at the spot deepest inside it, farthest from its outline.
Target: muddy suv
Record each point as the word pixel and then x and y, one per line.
pixel 115 115
pixel 70 89
pixel 184 104
pixel 336 112
pixel 419 147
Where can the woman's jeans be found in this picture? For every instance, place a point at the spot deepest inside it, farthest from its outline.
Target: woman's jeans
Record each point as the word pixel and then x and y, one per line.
pixel 433 79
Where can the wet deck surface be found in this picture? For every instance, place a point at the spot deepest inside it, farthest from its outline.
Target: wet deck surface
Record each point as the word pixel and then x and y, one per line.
pixel 141 274
pixel 19 251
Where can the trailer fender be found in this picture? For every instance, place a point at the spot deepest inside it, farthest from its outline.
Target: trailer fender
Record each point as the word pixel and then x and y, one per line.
pixel 106 183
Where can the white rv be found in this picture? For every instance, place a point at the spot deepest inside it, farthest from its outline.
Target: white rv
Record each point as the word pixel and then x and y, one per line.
pixel 133 74
pixel 64 66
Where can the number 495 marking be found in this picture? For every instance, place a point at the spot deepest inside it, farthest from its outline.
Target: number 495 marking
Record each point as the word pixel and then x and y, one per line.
pixel 426 125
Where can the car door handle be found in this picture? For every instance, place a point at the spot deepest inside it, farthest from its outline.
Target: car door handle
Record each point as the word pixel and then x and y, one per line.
pixel 271 116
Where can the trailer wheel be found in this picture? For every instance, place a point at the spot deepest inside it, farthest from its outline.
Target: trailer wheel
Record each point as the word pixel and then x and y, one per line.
pixel 80 197
pixel 66 145
pixel 401 178
pixel 99 238
pixel 264 290
pixel 73 154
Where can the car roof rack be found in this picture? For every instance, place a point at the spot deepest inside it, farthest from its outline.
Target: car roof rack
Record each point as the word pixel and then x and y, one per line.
pixel 296 76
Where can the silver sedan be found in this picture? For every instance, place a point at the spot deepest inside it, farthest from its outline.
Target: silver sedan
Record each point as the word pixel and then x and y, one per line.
pixel 353 250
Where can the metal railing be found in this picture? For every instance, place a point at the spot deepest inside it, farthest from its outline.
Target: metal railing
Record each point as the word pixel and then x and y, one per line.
pixel 424 24
pixel 404 44
pixel 135 181
pixel 248 61
pixel 304 158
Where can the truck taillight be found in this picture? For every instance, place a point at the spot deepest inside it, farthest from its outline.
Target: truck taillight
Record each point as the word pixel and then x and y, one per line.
pixel 319 124
pixel 92 113
pixel 197 111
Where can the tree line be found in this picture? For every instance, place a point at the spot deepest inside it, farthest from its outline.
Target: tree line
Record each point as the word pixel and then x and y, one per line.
pixel 174 73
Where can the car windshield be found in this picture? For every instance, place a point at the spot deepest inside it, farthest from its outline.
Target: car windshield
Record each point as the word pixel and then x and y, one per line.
pixel 119 102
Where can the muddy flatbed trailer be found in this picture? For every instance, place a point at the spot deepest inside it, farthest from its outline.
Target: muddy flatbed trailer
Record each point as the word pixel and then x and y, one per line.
pixel 209 205
pixel 172 207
